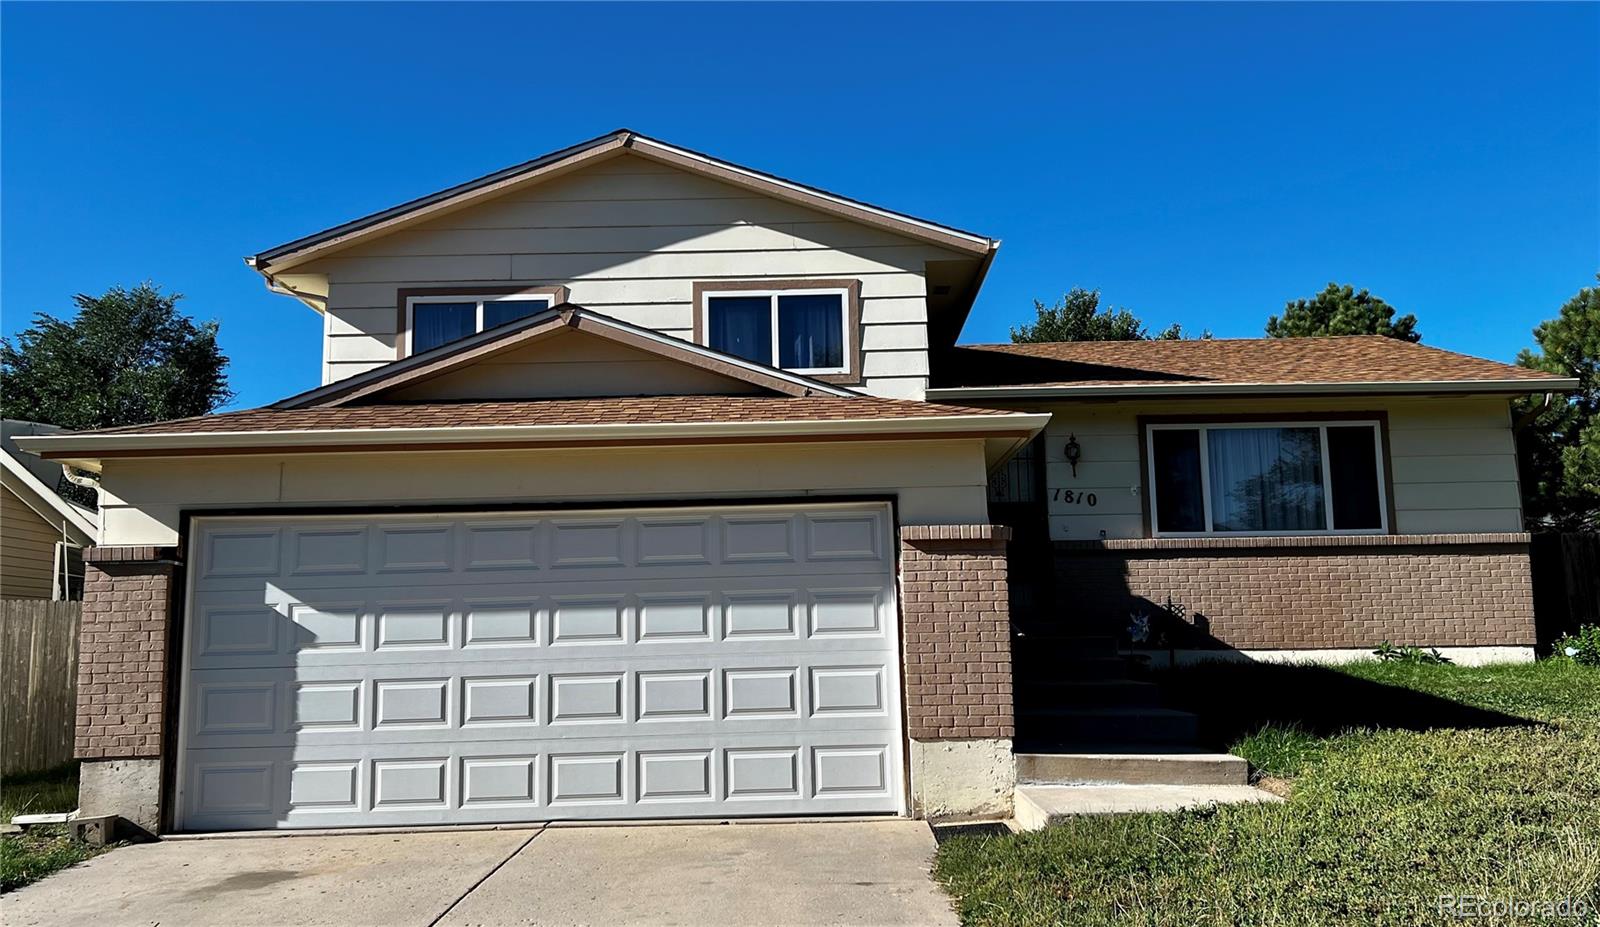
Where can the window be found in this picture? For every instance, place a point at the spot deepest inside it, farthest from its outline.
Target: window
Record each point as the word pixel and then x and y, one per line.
pixel 803 330
pixel 436 320
pixel 1250 479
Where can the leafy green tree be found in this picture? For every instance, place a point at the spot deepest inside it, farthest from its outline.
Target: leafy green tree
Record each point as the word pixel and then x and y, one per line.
pixel 1558 437
pixel 1342 310
pixel 1077 316
pixel 127 358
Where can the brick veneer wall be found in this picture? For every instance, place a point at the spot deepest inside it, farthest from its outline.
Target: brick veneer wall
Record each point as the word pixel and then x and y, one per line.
pixel 1311 593
pixel 957 631
pixel 122 652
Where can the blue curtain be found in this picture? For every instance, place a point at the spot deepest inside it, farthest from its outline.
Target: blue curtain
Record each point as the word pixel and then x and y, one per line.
pixel 500 311
pixel 1266 479
pixel 741 326
pixel 810 331
pixel 433 324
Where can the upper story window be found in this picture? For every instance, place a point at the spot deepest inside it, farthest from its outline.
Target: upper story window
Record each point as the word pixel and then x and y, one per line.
pixel 1267 479
pixel 804 328
pixel 439 319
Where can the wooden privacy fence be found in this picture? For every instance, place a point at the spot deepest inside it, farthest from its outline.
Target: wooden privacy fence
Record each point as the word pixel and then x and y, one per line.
pixel 38 682
pixel 1566 583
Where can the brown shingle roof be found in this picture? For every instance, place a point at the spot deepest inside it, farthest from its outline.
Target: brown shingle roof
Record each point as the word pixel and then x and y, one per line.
pixel 600 411
pixel 1337 360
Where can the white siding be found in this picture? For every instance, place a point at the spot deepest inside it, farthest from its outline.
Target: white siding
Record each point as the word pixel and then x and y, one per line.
pixel 1454 461
pixel 933 482
pixel 629 238
pixel 27 550
pixel 570 363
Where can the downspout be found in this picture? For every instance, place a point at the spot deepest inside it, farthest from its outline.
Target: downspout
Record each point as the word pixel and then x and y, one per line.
pixel 283 289
pixel 77 479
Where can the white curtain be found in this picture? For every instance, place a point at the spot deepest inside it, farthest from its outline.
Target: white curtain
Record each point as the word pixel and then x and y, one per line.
pixel 1266 479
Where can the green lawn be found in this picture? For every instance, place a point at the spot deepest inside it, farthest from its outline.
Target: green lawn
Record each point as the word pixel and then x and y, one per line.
pixel 1406 783
pixel 39 851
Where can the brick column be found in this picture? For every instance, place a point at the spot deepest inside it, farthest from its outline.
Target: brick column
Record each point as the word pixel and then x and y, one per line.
pixel 956 623
pixel 122 680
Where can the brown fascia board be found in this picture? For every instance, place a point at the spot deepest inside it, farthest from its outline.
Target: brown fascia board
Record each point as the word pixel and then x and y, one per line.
pixel 549 165
pixel 538 327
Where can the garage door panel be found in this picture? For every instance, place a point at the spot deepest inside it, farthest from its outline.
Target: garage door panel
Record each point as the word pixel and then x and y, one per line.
pixel 438 669
pixel 399 702
pixel 493 781
pixel 305 556
pixel 236 629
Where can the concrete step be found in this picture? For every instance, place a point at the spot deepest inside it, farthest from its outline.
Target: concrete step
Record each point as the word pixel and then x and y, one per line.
pixel 1154 765
pixel 1090 693
pixel 1109 725
pixel 1063 643
pixel 1039 806
pixel 1039 662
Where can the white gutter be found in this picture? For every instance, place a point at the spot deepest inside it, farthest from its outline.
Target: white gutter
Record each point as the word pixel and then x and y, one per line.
pixel 83 450
pixel 959 393
pixel 26 481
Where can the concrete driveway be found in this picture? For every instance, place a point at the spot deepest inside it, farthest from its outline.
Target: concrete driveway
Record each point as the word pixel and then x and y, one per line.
pixel 829 873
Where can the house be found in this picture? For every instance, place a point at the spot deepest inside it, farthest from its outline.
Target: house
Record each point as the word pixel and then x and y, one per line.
pixel 42 532
pixel 644 485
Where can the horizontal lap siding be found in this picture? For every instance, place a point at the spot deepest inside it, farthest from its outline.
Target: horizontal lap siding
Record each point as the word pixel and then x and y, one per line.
pixel 27 550
pixel 629 238
pixel 934 482
pixel 1454 461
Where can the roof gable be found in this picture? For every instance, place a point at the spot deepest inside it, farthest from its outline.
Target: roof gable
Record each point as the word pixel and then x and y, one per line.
pixel 622 142
pixel 513 361
pixel 31 480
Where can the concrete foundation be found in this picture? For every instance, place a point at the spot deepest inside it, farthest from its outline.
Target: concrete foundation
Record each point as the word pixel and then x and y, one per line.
pixel 130 789
pixel 962 778
pixel 1462 656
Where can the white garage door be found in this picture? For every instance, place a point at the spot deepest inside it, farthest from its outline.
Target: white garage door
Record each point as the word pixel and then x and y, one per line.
pixel 427 669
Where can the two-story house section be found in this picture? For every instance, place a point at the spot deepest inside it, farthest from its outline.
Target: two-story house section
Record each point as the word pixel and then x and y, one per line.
pixel 641 485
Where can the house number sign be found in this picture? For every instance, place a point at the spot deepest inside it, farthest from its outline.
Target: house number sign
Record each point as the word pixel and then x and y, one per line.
pixel 1071 497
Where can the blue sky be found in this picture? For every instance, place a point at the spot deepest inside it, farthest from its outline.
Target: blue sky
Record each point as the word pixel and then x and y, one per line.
pixel 1200 164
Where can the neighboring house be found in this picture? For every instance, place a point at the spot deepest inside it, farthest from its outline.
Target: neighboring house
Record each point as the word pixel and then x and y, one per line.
pixel 42 533
pixel 645 485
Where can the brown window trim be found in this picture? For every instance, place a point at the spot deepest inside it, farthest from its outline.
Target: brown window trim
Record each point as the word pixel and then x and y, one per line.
pixel 1382 418
pixel 852 315
pixel 402 327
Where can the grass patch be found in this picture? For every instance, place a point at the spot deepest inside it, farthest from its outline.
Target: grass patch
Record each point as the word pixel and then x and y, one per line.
pixel 1441 780
pixel 39 851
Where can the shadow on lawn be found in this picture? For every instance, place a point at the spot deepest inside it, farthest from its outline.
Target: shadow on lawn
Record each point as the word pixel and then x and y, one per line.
pixel 1235 699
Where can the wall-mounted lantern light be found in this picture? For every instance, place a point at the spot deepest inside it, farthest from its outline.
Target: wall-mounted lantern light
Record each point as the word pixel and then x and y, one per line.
pixel 1073 452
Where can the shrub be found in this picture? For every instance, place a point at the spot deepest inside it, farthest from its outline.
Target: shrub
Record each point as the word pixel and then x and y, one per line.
pixel 1583 646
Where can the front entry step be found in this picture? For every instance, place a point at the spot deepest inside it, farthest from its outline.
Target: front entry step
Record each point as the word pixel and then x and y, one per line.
pixel 1039 806
pixel 1093 693
pixel 1114 766
pixel 1108 726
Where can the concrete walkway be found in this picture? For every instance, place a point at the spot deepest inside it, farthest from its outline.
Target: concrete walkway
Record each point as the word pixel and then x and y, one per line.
pixel 830 873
